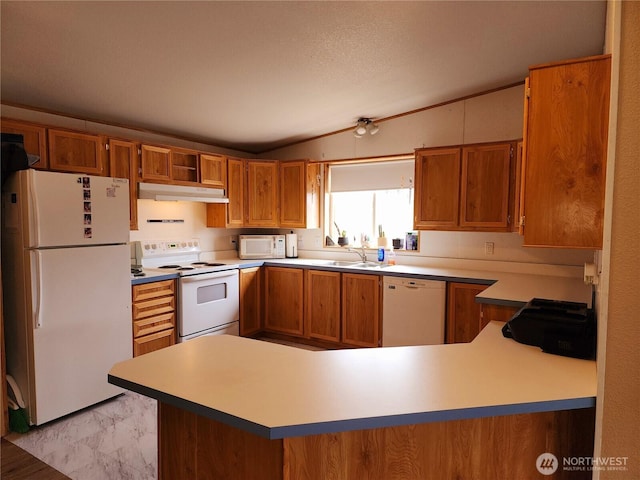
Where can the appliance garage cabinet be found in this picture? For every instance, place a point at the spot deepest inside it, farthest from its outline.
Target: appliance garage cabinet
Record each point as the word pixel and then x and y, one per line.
pixel 466 188
pixel 564 158
pixel 154 316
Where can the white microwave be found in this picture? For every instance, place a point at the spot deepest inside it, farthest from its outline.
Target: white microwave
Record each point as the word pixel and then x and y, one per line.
pixel 261 246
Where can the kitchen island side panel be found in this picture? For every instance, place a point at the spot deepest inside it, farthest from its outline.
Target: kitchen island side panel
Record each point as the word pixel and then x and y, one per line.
pixel 197 448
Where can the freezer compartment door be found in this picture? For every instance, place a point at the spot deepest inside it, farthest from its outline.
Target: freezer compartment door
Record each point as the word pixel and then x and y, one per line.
pixel 72 209
pixel 82 326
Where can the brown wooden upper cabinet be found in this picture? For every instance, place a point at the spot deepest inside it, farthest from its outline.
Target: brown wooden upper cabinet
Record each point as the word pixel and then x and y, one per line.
pixel 299 194
pixel 185 166
pixel 261 195
pixel 231 215
pixel 155 163
pixel 123 163
pixel 34 138
pixel 76 152
pixel 213 170
pixel 466 188
pixel 565 146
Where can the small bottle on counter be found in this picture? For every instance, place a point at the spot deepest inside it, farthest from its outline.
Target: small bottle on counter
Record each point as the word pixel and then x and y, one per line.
pixel 391 257
pixel 381 255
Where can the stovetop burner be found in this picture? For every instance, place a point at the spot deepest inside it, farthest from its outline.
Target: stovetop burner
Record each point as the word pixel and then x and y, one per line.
pixel 169 266
pixel 207 264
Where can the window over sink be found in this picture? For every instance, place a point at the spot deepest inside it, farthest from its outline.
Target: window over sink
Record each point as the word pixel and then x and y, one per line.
pixel 363 196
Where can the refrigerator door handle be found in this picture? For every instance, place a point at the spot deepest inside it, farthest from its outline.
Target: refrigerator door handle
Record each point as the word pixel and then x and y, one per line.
pixel 36 294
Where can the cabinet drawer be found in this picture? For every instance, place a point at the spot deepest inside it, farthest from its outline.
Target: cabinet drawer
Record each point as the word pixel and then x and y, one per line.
pixel 153 324
pixel 153 342
pixel 147 291
pixel 155 306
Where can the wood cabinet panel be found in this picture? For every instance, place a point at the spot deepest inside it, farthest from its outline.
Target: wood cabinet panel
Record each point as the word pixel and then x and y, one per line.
pixel 293 194
pixel 155 163
pixel 34 138
pixel 154 316
pixel 323 305
pixel 437 183
pixel 213 170
pixel 284 297
pixel 250 301
pixel 299 194
pixel 495 313
pixel 153 342
pixel 361 309
pixel 76 152
pixel 484 186
pixel 146 291
pixel 262 194
pixel 565 153
pixel 123 163
pixel 463 313
pixel 236 191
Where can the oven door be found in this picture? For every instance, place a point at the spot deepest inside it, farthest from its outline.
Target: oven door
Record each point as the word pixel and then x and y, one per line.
pixel 208 301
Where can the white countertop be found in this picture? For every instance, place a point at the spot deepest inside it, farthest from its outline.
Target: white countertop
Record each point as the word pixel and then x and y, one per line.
pixel 278 391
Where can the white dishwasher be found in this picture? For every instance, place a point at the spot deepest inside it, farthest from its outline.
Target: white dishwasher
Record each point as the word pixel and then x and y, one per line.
pixel 412 311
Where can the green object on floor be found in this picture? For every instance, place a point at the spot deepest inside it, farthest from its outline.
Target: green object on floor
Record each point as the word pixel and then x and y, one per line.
pixel 18 420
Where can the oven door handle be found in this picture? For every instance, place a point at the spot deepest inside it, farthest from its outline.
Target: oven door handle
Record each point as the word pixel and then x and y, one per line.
pixel 209 276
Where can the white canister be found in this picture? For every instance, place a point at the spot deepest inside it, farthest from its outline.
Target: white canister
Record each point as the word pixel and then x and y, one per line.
pixel 291 245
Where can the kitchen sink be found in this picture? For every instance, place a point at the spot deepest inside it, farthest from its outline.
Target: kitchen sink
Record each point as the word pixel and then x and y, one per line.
pixel 339 263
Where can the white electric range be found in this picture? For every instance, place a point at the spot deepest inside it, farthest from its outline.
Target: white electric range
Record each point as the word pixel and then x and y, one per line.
pixel 208 292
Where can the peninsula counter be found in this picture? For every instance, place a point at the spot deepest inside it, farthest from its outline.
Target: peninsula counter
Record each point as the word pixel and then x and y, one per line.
pixel 232 407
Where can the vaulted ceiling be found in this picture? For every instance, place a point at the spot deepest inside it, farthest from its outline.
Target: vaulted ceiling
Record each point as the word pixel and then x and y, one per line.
pixel 257 75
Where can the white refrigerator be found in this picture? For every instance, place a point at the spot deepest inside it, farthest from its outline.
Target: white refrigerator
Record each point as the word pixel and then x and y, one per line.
pixel 66 287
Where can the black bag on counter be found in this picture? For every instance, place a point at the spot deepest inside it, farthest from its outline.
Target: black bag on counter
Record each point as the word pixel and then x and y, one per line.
pixel 561 328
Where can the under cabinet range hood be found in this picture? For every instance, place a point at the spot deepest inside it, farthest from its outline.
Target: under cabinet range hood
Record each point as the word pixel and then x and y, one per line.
pixel 157 191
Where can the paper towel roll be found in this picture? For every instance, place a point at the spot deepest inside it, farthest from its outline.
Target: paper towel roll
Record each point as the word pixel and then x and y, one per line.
pixel 291 242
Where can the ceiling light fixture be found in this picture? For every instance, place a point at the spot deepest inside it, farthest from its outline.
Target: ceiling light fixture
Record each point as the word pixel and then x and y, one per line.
pixel 363 126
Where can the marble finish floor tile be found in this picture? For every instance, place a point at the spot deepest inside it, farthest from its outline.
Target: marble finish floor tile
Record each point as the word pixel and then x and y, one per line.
pixel 114 440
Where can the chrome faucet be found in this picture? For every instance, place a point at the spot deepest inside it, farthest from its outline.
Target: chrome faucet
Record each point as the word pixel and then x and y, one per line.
pixel 362 254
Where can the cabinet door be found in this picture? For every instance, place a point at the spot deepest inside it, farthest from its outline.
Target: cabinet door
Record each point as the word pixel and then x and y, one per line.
pixel 235 192
pixel 262 193
pixel 76 152
pixel 361 310
pixel 565 153
pixel 284 297
pixel 155 163
pixel 484 189
pixel 34 138
pixel 123 163
pixel 213 170
pixel 322 305
pixel 437 194
pixel 250 301
pixel 463 313
pixel 293 195
pixel 184 166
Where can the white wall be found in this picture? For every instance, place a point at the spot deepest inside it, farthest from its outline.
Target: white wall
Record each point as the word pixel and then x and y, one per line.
pixel 492 117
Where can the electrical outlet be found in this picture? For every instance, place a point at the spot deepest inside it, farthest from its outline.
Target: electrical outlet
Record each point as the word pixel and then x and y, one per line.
pixel 488 248
pixel 232 239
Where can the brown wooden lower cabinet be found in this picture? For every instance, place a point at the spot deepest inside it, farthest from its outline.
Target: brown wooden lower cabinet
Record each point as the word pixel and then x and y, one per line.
pixel 283 300
pixel 361 310
pixel 154 316
pixel 250 301
pixel 192 447
pixel 463 312
pixel 322 305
